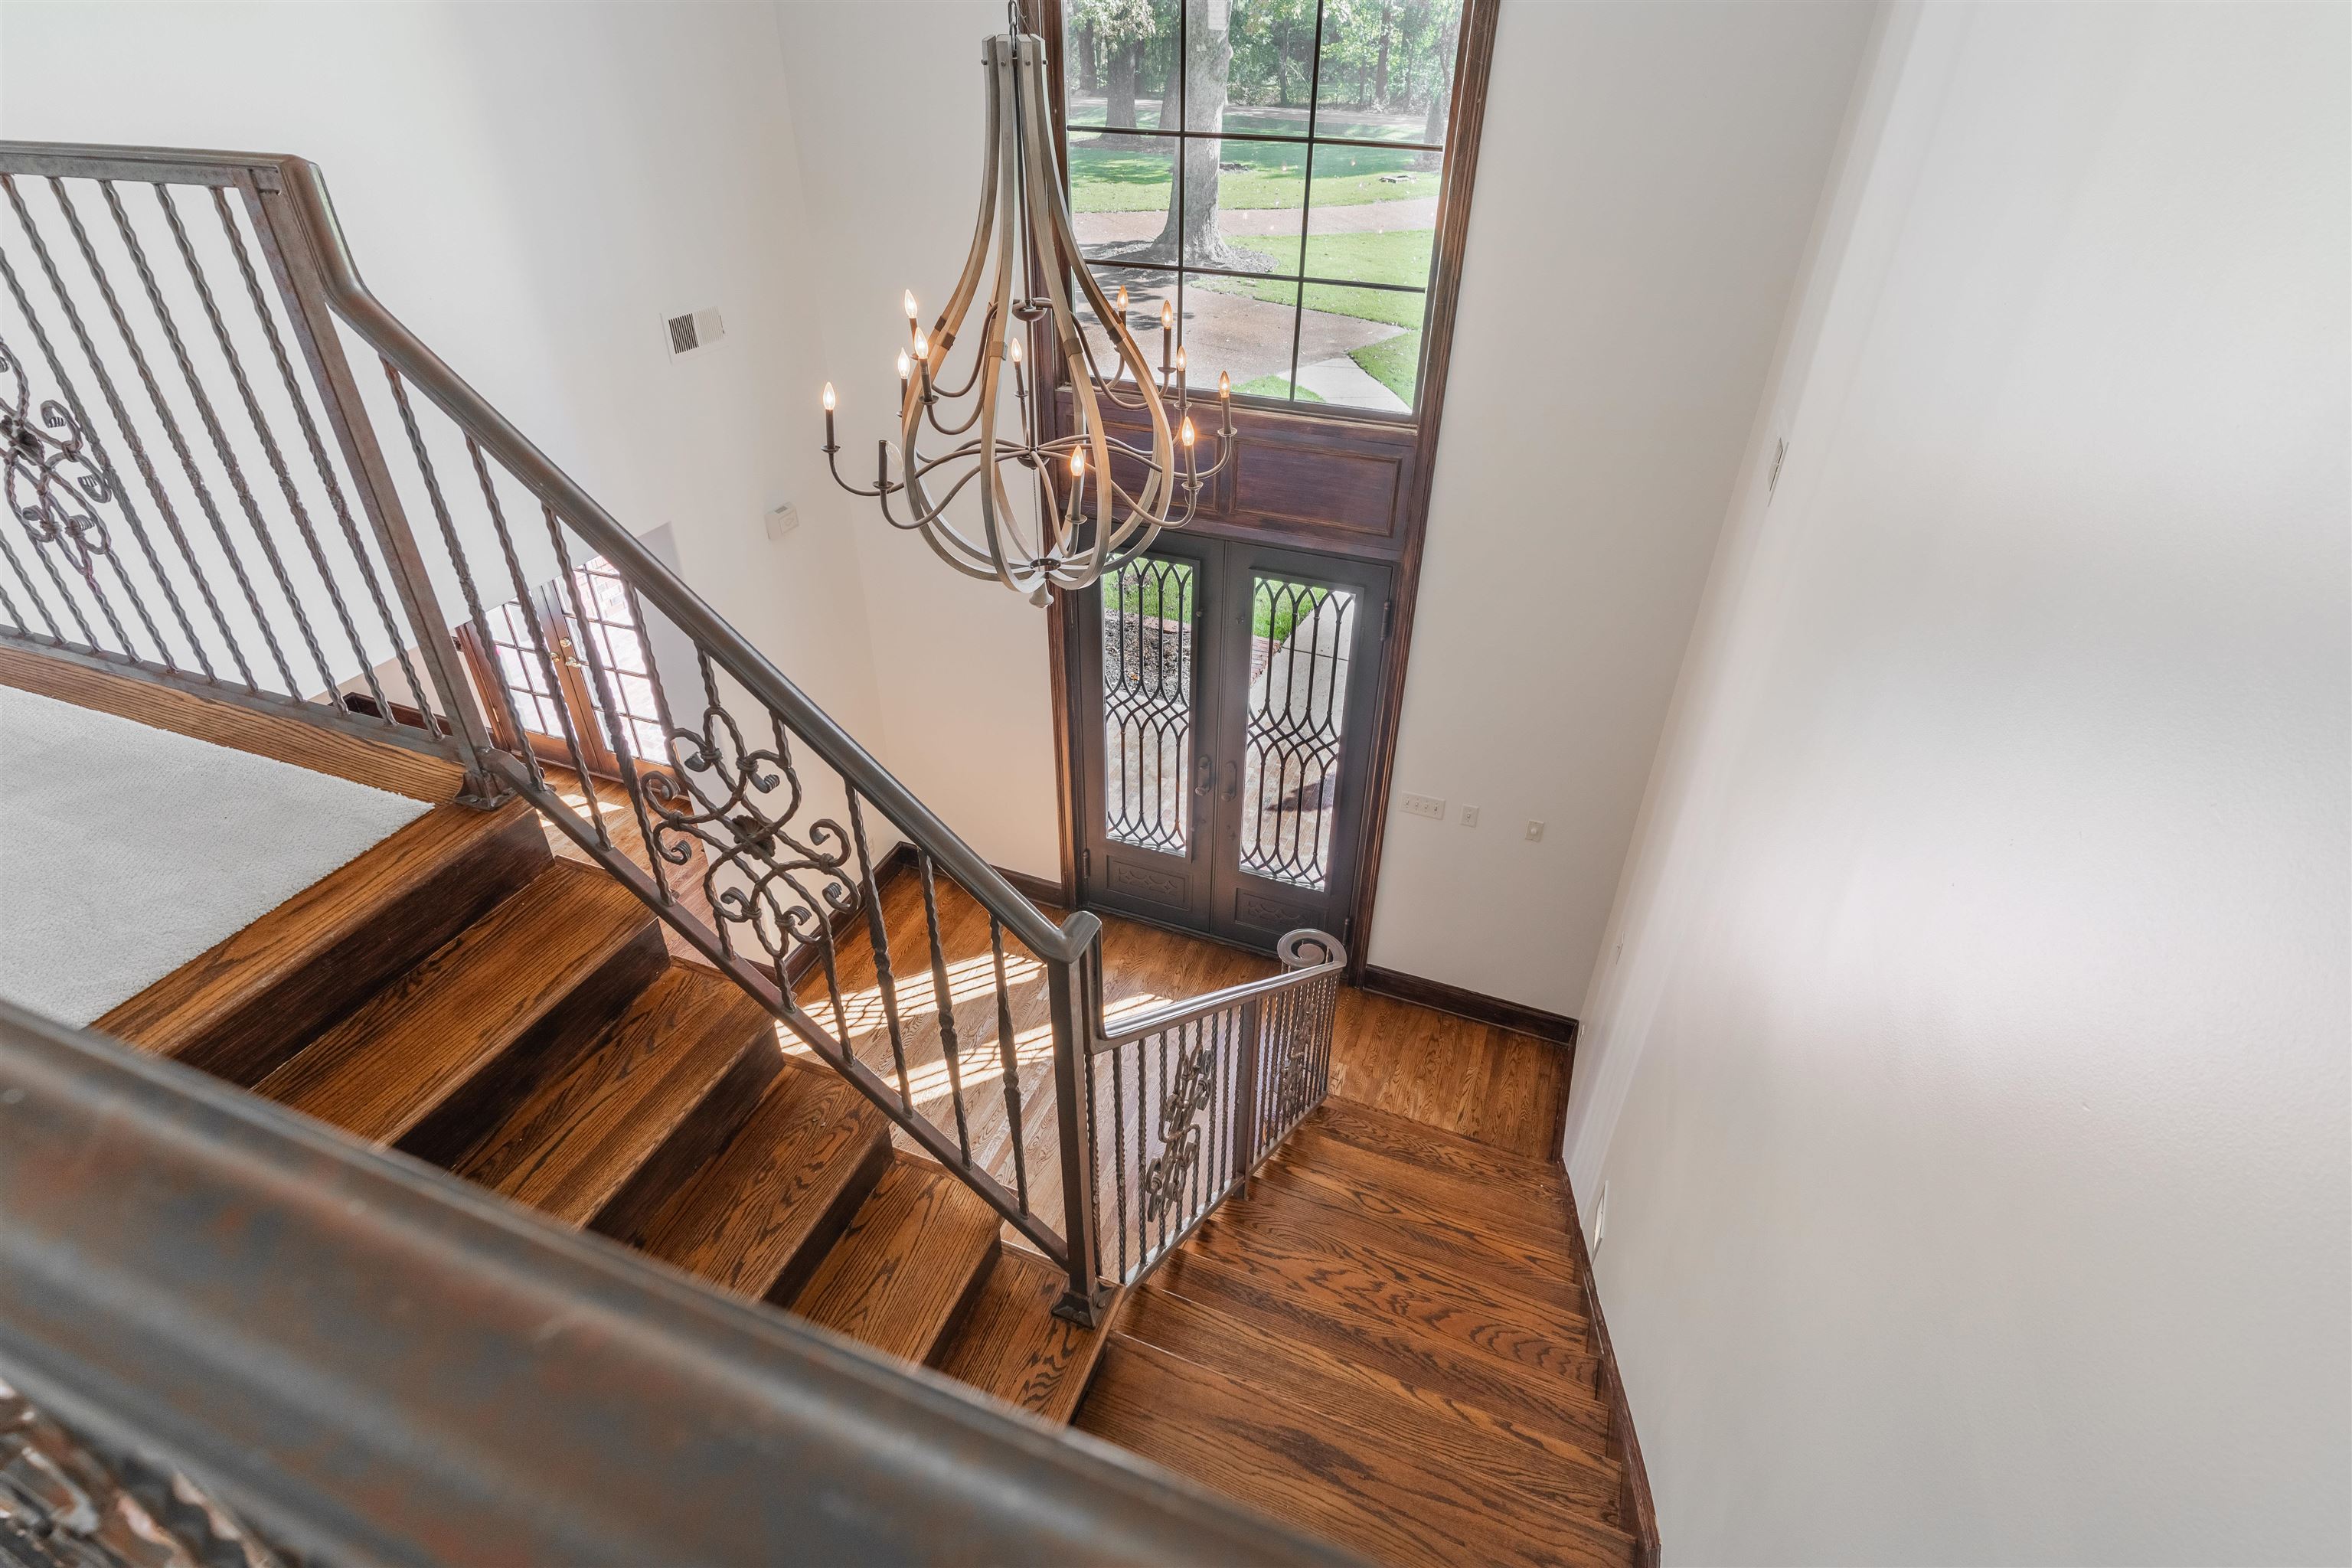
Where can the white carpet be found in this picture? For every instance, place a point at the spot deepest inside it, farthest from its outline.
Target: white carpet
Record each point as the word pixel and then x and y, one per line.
pixel 126 851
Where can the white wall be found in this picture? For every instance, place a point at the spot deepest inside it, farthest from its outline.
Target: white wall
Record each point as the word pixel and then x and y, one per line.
pixel 886 107
pixel 1971 1094
pixel 1647 178
pixel 1645 187
pixel 533 188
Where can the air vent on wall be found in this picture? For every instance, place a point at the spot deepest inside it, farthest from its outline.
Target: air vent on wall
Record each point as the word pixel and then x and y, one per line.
pixel 695 331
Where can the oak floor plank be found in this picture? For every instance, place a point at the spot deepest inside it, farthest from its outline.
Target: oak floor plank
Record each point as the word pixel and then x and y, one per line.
pixel 1569 1401
pixel 1246 1438
pixel 1549 1469
pixel 1414 1144
pixel 1407 1220
pixel 909 1261
pixel 1011 1346
pixel 1339 1276
pixel 1469 1387
pixel 383 1070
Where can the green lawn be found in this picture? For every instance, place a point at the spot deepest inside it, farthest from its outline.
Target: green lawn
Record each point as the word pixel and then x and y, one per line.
pixel 1163 590
pixel 1394 362
pixel 1275 386
pixel 1133 180
pixel 1120 180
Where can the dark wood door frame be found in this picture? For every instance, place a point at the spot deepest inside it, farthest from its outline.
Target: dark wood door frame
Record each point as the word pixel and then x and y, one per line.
pixel 1307 451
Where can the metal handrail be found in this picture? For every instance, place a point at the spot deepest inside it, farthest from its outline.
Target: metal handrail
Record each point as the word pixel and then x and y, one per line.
pixel 369 1360
pixel 382 332
pixel 1136 1026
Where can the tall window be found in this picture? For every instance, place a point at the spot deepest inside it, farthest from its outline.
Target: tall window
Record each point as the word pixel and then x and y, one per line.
pixel 1309 137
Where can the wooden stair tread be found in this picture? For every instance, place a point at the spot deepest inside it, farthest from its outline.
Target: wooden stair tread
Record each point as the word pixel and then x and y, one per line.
pixel 1428 1242
pixel 1340 1276
pixel 570 1147
pixel 756 1215
pixel 1012 1347
pixel 382 1070
pixel 1550 1468
pixel 1366 1489
pixel 1464 1211
pixel 1430 1148
pixel 1565 1404
pixel 908 1263
pixel 319 952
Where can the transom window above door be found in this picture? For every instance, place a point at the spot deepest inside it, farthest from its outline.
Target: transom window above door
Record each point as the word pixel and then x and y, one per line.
pixel 1271 172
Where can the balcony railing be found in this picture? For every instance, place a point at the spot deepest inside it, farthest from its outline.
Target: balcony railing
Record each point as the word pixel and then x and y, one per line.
pixel 230 470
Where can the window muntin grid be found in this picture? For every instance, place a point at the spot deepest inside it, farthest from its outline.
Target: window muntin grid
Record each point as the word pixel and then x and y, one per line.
pixel 1297 309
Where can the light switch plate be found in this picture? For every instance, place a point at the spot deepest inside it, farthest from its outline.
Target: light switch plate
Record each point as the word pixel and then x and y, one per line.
pixel 1534 832
pixel 1425 805
pixel 1469 817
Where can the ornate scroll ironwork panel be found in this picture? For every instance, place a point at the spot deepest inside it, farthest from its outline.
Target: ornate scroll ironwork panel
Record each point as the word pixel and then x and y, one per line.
pixel 54 487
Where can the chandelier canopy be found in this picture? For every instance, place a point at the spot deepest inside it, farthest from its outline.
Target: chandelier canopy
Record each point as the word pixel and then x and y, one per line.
pixel 1081 519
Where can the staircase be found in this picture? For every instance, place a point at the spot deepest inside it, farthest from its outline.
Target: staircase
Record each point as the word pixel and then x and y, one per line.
pixel 1387 1340
pixel 461 994
pixel 756 1015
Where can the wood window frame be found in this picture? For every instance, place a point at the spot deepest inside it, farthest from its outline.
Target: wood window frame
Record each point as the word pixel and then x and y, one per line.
pixel 1349 482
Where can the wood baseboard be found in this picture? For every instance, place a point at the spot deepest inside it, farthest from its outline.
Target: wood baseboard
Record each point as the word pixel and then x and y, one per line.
pixel 1474 1006
pixel 241 725
pixel 1636 1507
pixel 1036 889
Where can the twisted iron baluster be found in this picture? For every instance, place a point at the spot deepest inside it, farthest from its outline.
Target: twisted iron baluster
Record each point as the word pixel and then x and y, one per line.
pixel 310 436
pixel 523 602
pixel 163 410
pixel 466 580
pixel 213 425
pixel 878 938
pixel 129 432
pixel 946 1003
pixel 616 721
pixel 1010 1055
pixel 16 620
pixel 1118 1152
pixel 56 635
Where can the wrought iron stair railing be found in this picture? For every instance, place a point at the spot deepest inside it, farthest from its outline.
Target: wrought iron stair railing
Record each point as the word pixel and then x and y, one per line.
pixel 231 469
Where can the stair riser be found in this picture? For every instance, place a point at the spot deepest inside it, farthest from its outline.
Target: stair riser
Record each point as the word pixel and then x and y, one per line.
pixel 470 1113
pixel 843 1208
pixel 246 1046
pixel 700 1137
pixel 960 1313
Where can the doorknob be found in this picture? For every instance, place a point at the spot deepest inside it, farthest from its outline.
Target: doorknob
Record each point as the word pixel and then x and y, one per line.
pixel 1233 780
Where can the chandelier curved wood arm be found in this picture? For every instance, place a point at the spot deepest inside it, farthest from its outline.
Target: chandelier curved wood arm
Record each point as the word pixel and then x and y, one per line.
pixel 1063 538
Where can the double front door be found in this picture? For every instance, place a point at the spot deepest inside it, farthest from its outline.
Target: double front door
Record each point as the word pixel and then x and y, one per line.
pixel 1226 693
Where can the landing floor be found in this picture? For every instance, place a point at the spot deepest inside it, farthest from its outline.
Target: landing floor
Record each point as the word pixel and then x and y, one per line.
pixel 126 850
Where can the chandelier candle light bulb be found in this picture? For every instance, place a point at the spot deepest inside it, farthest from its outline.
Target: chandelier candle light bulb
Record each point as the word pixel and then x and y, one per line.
pixel 1025 271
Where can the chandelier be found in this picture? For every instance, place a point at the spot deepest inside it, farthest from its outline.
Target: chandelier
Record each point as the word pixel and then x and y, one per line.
pixel 1081 517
